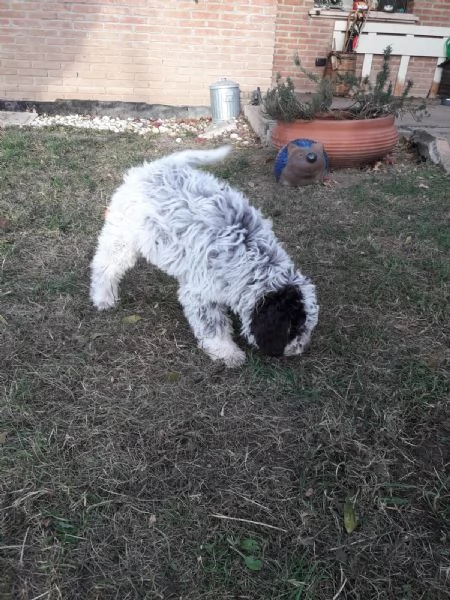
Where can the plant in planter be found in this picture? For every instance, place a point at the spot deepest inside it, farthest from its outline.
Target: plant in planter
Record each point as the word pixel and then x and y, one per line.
pixel 361 133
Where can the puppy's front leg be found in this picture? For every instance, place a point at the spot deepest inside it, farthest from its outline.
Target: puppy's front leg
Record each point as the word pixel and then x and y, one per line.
pixel 212 328
pixel 115 254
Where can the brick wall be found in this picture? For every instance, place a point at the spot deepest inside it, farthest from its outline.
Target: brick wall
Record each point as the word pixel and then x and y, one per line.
pixel 311 37
pixel 167 51
pixel 156 51
pixel 432 12
pixel 296 31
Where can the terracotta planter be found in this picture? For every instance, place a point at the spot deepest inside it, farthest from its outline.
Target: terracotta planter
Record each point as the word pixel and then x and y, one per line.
pixel 348 142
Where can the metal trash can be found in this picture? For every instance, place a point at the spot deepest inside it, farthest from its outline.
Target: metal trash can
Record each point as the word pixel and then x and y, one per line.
pixel 225 100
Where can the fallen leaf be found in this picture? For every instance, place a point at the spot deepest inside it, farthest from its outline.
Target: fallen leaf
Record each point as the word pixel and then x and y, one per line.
pixel 436 358
pixel 424 186
pixel 152 520
pixel 4 224
pixel 349 516
pixel 3 436
pixel 173 376
pixel 130 319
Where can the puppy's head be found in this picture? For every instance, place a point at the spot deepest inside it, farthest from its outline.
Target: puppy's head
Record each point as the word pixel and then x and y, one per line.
pixel 278 322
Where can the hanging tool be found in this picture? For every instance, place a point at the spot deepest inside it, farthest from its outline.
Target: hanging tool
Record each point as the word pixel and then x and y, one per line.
pixel 355 24
pixel 362 18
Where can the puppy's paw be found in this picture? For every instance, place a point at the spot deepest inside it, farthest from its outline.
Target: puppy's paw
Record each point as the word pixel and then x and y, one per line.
pixel 237 359
pixel 103 301
pixel 224 350
pixel 103 305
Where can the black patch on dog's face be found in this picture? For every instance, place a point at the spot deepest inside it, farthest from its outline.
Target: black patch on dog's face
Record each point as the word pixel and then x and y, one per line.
pixel 277 319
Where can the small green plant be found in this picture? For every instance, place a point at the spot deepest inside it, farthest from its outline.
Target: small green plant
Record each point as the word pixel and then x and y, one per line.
pixel 303 578
pixel 60 528
pixel 249 550
pixel 369 100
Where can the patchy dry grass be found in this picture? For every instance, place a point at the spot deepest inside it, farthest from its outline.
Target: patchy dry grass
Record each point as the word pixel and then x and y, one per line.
pixel 120 442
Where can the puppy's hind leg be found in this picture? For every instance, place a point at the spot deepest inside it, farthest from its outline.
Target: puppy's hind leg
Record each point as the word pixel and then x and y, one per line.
pixel 114 256
pixel 212 328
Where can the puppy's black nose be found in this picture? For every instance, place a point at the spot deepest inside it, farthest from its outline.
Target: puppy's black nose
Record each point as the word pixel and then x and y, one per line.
pixel 311 157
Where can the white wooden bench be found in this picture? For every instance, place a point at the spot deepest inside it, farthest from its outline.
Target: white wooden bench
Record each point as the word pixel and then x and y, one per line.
pixel 406 41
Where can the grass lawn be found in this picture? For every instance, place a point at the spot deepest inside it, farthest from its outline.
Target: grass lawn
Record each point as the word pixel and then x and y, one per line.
pixel 132 467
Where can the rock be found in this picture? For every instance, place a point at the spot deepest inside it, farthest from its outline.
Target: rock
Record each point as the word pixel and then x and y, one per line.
pixel 443 150
pixel 426 145
pixel 218 129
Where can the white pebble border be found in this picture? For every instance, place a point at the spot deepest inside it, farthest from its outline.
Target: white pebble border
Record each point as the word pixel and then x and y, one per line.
pixel 172 127
pixel 178 129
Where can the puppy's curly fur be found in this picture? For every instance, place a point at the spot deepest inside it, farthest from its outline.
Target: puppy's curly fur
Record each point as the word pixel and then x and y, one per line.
pixel 221 250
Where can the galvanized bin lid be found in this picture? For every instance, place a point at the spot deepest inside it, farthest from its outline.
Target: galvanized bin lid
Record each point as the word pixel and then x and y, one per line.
pixel 223 84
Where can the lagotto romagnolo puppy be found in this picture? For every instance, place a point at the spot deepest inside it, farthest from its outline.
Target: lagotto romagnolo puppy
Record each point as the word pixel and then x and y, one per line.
pixel 221 250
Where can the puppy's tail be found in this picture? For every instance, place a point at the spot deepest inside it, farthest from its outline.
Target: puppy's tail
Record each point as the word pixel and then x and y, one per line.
pixel 199 157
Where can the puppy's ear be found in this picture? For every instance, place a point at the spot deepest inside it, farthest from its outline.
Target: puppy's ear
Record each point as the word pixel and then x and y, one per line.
pixel 276 319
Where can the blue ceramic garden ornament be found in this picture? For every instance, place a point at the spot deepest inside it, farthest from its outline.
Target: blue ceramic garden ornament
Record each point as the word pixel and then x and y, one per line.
pixel 301 162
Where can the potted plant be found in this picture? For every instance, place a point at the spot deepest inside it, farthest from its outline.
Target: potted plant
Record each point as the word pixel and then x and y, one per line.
pixel 361 133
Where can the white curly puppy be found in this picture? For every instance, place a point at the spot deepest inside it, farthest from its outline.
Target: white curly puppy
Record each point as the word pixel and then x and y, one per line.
pixel 221 250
